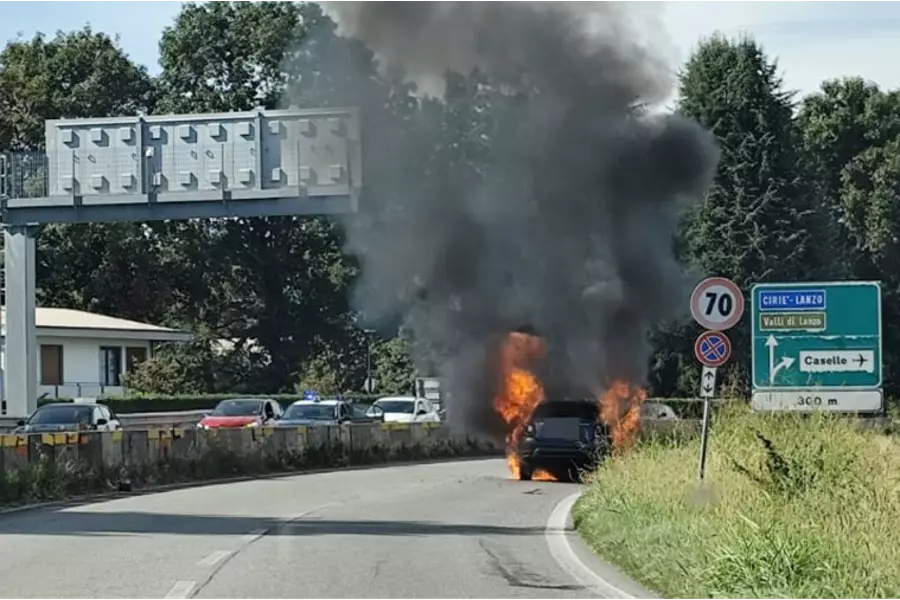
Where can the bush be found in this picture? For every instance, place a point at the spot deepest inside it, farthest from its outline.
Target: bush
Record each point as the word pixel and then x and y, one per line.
pixel 794 506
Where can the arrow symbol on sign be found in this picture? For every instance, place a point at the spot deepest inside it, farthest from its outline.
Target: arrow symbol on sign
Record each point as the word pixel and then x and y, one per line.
pixel 785 363
pixel 709 375
pixel 771 343
pixel 707 388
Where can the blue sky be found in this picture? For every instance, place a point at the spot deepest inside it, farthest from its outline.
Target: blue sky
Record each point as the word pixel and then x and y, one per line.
pixel 811 40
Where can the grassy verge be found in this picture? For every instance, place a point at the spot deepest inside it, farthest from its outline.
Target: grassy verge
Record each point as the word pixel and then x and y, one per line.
pixel 793 507
pixel 48 480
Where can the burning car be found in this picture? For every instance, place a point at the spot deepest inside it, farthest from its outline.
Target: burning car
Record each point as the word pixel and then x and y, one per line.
pixel 549 430
pixel 563 437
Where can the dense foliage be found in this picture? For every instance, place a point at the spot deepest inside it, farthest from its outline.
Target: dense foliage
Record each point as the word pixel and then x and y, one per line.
pixel 807 189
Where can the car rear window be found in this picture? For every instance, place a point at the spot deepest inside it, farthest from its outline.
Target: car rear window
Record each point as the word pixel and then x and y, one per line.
pixel 567 409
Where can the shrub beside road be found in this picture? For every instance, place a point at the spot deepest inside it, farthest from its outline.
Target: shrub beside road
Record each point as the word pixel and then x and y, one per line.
pixel 793 506
pixel 45 467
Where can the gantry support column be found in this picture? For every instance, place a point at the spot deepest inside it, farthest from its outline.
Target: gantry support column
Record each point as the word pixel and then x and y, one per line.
pixel 20 377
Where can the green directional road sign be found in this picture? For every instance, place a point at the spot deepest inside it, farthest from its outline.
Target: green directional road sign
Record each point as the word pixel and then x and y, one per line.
pixel 817 337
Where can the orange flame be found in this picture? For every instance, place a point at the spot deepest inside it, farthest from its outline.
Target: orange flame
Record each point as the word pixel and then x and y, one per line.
pixel 520 392
pixel 620 409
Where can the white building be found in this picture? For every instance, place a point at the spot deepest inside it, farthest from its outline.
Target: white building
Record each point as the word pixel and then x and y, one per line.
pixel 82 354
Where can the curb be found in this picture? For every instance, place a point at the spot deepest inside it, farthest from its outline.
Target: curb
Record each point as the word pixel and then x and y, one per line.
pixel 605 581
pixel 170 487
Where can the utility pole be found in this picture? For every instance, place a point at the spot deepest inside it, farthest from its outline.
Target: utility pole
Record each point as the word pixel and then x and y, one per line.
pixel 370 387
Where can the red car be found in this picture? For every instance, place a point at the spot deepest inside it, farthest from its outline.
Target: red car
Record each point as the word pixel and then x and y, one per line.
pixel 242 412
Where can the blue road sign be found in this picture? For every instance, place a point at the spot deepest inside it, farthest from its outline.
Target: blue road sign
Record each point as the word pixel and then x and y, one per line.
pixel 817 345
pixel 792 300
pixel 712 348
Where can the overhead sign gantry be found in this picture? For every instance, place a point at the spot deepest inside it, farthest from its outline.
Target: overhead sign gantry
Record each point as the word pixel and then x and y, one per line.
pixel 169 167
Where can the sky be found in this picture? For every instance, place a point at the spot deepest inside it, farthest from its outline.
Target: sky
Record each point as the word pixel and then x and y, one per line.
pixel 811 41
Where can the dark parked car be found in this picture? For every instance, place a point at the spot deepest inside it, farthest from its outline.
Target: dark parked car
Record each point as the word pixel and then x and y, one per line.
pixel 328 412
pixel 69 416
pixel 563 437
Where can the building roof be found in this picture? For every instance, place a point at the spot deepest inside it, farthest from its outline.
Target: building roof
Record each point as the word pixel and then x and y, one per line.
pixel 78 323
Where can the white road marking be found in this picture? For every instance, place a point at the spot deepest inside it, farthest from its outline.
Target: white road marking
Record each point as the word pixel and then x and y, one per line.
pixel 181 589
pixel 253 536
pixel 215 557
pixel 557 540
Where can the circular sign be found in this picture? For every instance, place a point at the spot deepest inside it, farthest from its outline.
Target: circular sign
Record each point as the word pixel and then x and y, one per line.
pixel 712 348
pixel 717 303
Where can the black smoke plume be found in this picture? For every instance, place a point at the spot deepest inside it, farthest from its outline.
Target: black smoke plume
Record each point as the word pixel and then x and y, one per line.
pixel 568 227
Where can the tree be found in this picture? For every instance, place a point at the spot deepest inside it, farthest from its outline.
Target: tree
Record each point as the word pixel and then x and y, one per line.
pixel 835 125
pixel 204 365
pixel 870 190
pixel 110 268
pixel 282 282
pixel 394 370
pixel 76 74
pixel 850 135
pixel 756 223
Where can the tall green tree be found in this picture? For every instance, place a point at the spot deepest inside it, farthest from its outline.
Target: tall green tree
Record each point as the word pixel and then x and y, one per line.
pixel 757 223
pixel 844 119
pixel 282 282
pixel 850 136
pixel 77 74
pixel 109 268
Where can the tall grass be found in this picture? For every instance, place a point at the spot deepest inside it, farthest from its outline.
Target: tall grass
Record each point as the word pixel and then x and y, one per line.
pixel 793 506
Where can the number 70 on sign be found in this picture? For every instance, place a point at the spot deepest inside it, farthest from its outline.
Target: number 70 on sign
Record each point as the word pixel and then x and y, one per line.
pixel 717 303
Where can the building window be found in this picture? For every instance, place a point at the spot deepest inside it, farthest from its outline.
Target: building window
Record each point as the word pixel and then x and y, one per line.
pixel 134 356
pixel 110 365
pixel 51 364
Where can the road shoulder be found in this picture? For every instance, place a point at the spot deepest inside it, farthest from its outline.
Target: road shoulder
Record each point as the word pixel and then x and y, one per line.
pixel 577 559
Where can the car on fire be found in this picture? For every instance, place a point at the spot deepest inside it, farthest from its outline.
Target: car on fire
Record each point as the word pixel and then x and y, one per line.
pixel 563 436
pixel 242 412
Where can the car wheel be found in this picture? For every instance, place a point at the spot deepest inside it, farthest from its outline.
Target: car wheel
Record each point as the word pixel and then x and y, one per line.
pixel 525 472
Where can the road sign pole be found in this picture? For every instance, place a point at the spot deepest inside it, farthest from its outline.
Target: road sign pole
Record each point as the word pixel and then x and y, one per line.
pixel 717 304
pixel 704 439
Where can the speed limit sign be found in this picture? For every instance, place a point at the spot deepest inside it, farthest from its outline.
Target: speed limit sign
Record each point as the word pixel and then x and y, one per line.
pixel 717 303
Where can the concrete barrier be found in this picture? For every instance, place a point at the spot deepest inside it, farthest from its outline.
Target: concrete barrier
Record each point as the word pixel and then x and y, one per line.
pixel 56 465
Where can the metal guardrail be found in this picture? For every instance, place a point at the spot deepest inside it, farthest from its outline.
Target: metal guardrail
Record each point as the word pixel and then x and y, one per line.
pixel 189 418
pixel 181 418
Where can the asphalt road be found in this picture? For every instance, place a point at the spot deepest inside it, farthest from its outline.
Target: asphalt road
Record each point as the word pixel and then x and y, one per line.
pixel 452 529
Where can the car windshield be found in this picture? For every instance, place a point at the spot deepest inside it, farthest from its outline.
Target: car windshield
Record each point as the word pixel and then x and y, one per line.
pixel 61 415
pixel 238 408
pixel 316 412
pixel 396 406
pixel 363 410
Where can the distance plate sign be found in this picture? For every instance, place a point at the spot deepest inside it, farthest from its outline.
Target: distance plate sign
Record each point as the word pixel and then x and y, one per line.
pixel 842 401
pixel 717 303
pixel 712 348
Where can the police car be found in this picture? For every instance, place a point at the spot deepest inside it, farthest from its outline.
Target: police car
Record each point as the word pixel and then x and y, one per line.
pixel 315 410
